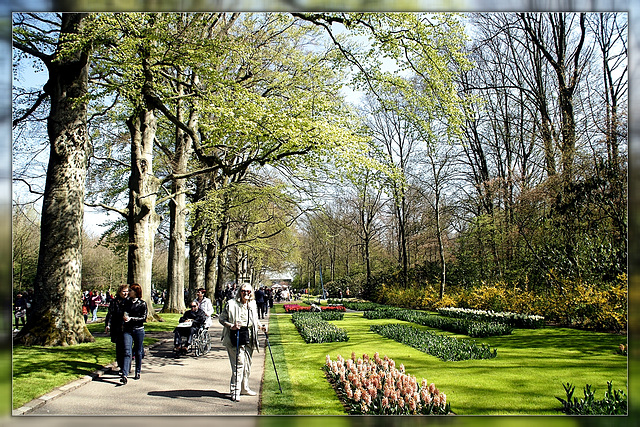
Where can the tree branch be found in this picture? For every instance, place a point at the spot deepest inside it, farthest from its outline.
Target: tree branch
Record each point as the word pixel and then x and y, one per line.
pixel 123 212
pixel 33 108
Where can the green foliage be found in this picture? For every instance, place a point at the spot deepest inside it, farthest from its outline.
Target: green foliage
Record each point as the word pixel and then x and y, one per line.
pixel 497 387
pixel 25 244
pixel 601 307
pixel 443 347
pixel 614 402
pixel 361 306
pixel 468 327
pixel 516 320
pixel 315 329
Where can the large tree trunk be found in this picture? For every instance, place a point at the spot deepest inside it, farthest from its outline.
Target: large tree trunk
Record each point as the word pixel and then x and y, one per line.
pixel 197 245
pixel 57 315
pixel 223 239
pixel 176 274
pixel 142 218
pixel 211 270
pixel 178 222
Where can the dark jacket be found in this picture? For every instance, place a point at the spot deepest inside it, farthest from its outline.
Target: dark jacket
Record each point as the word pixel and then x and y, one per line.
pixel 113 319
pixel 137 314
pixel 20 304
pixel 198 317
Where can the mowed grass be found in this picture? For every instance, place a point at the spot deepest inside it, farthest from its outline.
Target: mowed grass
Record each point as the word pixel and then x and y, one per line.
pixel 37 370
pixel 524 379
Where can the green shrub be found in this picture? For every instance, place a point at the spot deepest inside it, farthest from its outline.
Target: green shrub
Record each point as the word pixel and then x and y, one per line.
pixel 514 319
pixel 314 329
pixel 361 306
pixel 614 402
pixel 476 329
pixel 443 347
pixel 574 303
pixel 331 315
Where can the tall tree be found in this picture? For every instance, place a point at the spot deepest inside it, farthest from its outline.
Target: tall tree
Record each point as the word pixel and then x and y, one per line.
pixel 57 316
pixel 551 34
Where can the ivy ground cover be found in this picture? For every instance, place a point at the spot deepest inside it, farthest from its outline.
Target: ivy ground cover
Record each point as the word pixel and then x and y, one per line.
pixel 525 378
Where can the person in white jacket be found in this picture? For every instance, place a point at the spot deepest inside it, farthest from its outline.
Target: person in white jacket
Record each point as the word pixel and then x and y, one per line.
pixel 240 314
pixel 205 305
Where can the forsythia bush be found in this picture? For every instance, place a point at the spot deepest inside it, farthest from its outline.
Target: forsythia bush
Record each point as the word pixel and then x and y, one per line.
pixel 602 308
pixel 568 303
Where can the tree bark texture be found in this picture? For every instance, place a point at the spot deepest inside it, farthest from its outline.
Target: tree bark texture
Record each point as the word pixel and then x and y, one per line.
pixel 57 316
pixel 142 218
pixel 177 226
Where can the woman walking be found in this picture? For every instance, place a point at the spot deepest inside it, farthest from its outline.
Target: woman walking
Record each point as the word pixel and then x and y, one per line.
pixel 113 323
pixel 240 337
pixel 134 316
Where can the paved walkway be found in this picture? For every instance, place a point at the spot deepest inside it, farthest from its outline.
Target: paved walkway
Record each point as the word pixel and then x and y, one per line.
pixel 185 385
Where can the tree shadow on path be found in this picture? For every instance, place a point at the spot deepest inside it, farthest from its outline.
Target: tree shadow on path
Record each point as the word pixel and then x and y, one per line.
pixel 187 393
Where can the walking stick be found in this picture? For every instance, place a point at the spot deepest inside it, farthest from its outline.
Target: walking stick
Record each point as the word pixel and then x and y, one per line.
pixel 273 361
pixel 236 392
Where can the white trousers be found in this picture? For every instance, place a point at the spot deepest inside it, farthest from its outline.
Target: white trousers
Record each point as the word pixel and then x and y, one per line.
pixel 240 372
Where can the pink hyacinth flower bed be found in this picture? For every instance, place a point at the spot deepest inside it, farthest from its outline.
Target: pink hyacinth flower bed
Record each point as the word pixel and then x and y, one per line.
pixel 376 387
pixel 293 308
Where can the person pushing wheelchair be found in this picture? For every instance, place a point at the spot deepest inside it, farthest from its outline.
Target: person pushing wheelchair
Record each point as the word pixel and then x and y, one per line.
pixel 189 324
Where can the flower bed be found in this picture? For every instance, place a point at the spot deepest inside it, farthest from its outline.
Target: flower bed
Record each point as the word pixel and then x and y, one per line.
pixel 473 328
pixel 362 306
pixel 377 387
pixel 314 329
pixel 444 347
pixel 514 319
pixel 294 308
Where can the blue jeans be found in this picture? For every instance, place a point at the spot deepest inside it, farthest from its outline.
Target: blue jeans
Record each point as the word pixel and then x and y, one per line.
pixel 134 338
pixel 94 314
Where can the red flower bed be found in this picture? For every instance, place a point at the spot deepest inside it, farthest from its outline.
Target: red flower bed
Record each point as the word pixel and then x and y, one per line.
pixel 293 308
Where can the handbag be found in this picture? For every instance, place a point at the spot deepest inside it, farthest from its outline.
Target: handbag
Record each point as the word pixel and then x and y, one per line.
pixel 242 334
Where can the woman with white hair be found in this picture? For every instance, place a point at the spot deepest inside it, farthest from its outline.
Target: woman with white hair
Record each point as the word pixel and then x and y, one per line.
pixel 240 337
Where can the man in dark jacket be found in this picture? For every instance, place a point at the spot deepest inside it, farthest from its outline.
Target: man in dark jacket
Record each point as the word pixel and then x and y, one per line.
pixel 259 297
pixel 197 317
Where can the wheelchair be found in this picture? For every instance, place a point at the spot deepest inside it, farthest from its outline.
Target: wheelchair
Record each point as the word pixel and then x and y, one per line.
pixel 200 343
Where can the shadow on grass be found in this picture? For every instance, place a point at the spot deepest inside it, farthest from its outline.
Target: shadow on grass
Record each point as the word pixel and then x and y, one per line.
pixel 273 401
pixel 75 360
pixel 563 339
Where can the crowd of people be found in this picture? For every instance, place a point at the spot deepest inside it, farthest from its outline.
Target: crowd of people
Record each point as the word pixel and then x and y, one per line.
pixel 239 309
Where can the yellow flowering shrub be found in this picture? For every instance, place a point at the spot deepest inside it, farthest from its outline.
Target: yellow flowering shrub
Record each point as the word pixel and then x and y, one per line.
pixel 569 303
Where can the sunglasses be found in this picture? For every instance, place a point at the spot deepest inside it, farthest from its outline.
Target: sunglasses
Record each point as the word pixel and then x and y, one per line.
pixel 193 306
pixel 245 291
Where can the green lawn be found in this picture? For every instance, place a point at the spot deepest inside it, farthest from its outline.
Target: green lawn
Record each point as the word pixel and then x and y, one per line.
pixel 37 370
pixel 525 378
